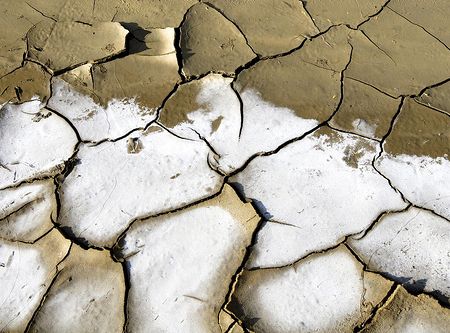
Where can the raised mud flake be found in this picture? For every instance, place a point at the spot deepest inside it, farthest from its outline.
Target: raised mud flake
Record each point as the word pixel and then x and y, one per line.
pixel 151 41
pixel 26 83
pixel 365 111
pixel 395 56
pixel 416 157
pixel 87 295
pixel 278 103
pixel 411 247
pixel 326 13
pixel 26 272
pixel 61 45
pixel 433 17
pixel 303 297
pixel 106 101
pixel 408 313
pixel 270 27
pixel 181 264
pixel 314 192
pixel 437 98
pixel 35 143
pixel 111 186
pixel 27 211
pixel 210 42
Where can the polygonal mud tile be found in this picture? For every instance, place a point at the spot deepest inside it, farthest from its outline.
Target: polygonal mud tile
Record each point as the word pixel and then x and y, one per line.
pixel 326 13
pixel 155 13
pixel 315 192
pixel 270 27
pixel 412 248
pixel 27 211
pixel 87 295
pixel 365 110
pixel 26 272
pixel 408 313
pixel 304 297
pixel 437 98
pixel 416 157
pixel 62 45
pixel 281 98
pixel 145 173
pixel 106 101
pixel 35 143
pixel 29 82
pixel 17 18
pixel 432 17
pixel 396 56
pixel 181 264
pixel 210 42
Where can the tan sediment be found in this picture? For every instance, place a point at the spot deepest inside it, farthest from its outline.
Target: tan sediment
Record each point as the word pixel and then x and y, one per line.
pixel 25 83
pixel 396 56
pixel 419 131
pixel 61 45
pixel 326 13
pixel 270 27
pixel 437 97
pixel 179 105
pixel 306 81
pixel 363 103
pixel 210 42
pixel 405 311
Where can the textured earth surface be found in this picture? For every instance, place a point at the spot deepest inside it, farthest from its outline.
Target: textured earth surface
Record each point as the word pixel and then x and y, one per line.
pixel 225 166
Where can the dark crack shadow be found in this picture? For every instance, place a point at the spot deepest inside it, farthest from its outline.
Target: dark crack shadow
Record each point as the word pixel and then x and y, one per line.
pixel 135 42
pixel 417 287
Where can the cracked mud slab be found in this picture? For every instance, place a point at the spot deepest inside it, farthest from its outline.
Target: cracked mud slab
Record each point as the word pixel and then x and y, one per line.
pixel 314 192
pixel 27 271
pixel 35 143
pixel 408 313
pixel 88 292
pixel 203 246
pixel 224 166
pixel 146 173
pixel 411 248
pixel 61 45
pixel 294 299
pixel 27 211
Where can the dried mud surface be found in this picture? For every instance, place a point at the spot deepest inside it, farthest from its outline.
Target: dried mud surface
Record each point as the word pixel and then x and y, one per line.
pixel 225 166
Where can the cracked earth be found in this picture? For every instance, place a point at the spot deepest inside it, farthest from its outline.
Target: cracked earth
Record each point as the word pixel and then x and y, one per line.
pixel 225 166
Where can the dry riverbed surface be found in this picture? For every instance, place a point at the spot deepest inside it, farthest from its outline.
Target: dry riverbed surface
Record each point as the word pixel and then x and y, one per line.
pixel 225 166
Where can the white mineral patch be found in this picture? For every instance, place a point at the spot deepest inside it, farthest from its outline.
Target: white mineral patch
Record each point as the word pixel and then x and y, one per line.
pixel 141 175
pixel 321 188
pixel 323 293
pixel 25 273
pixel 181 264
pixel 411 247
pixel 264 125
pixel 425 181
pixel 26 211
pixel 93 121
pixel 34 143
pixel 362 127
